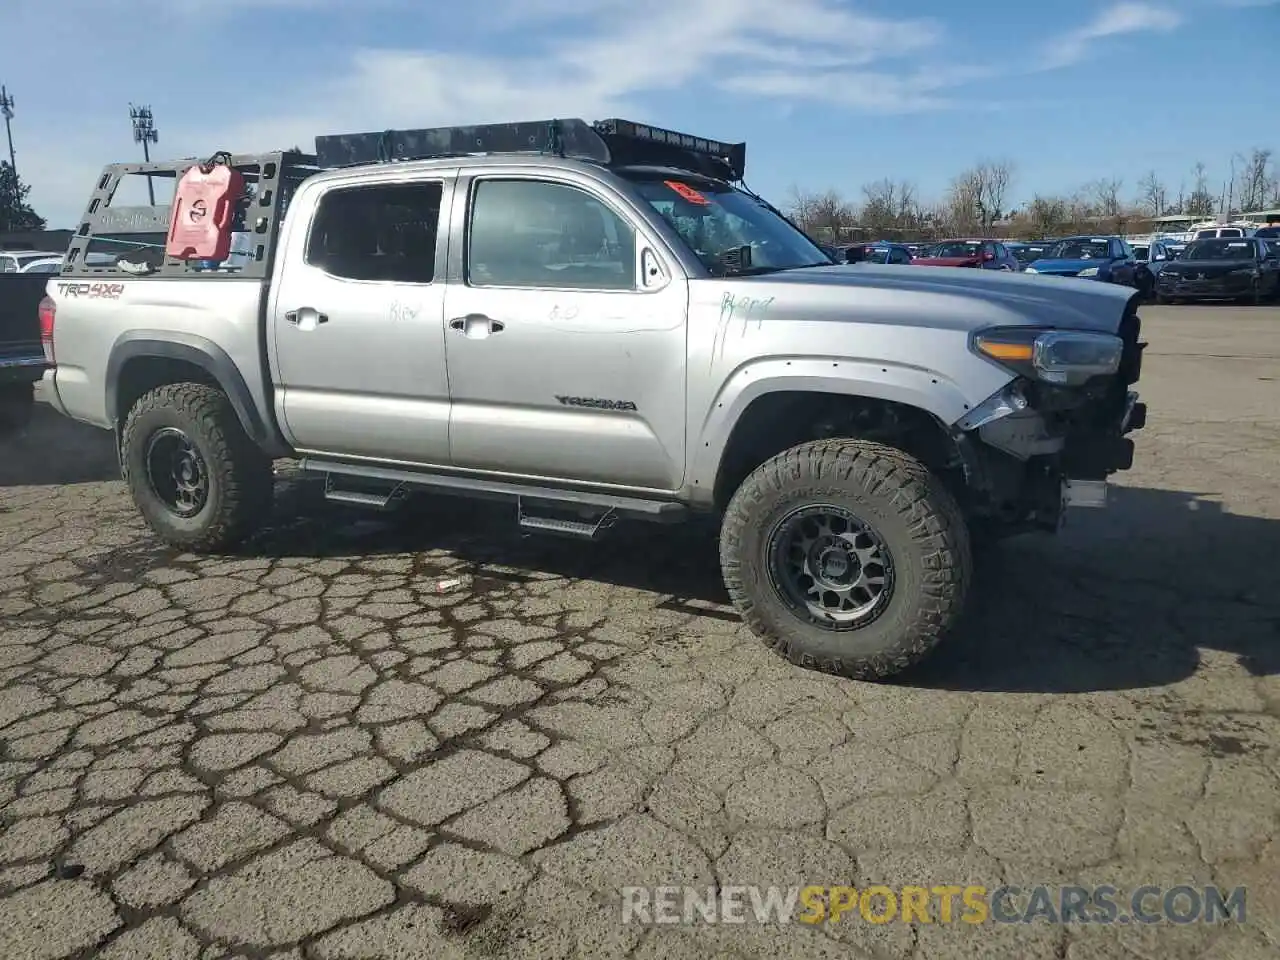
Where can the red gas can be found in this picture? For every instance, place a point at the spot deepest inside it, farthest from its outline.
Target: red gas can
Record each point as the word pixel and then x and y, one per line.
pixel 204 204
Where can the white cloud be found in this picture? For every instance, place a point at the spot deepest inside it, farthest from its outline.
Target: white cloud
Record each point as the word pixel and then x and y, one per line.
pixel 1114 21
pixel 587 58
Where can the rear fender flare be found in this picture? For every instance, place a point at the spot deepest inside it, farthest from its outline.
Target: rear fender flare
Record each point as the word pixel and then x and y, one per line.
pixel 199 352
pixel 918 387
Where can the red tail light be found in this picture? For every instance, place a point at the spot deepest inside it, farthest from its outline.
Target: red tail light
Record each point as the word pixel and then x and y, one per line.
pixel 48 312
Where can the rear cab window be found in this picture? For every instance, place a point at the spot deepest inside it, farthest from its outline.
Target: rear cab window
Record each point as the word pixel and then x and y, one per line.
pixel 384 232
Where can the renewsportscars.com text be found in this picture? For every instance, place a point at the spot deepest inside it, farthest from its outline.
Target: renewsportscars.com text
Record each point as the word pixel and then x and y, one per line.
pixel 944 903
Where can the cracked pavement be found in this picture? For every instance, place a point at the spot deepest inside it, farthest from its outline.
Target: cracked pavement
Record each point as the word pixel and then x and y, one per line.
pixel 309 750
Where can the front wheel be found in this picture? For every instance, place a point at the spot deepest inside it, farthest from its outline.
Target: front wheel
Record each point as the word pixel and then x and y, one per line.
pixel 197 478
pixel 846 556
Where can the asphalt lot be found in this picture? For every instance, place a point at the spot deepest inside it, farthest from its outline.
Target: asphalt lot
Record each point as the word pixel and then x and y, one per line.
pixel 308 750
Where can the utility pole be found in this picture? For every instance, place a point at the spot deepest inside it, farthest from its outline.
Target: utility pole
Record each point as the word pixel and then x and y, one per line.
pixel 145 133
pixel 6 109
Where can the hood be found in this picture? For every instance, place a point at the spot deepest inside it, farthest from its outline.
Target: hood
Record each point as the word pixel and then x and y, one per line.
pixel 1211 266
pixel 934 297
pixel 1068 266
pixel 946 261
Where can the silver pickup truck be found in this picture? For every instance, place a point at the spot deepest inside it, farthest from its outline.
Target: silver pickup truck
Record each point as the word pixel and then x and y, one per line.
pixel 595 321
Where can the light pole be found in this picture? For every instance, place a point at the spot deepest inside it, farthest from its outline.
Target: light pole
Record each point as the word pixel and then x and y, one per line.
pixel 145 132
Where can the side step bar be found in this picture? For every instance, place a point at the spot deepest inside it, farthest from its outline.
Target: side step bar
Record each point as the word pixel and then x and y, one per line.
pixel 603 508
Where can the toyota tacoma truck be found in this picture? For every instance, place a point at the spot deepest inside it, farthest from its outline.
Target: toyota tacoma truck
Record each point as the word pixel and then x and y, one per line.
pixel 594 321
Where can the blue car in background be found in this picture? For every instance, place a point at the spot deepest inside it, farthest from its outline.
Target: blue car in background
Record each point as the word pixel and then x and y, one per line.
pixel 885 252
pixel 1109 259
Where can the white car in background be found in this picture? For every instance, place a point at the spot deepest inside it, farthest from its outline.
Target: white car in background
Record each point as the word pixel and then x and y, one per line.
pixel 17 261
pixel 45 265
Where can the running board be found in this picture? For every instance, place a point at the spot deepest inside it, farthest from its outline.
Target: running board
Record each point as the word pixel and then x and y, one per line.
pixel 608 504
pixel 581 528
pixel 379 499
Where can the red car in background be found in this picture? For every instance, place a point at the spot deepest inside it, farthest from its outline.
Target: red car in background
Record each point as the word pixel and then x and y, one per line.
pixel 983 254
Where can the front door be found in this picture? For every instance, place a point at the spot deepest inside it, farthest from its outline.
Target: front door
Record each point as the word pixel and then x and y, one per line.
pixel 357 325
pixel 565 341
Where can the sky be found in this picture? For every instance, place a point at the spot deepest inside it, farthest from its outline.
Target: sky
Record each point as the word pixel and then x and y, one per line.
pixel 827 94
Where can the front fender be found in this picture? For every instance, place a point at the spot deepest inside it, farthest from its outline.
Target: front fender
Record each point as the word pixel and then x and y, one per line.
pixel 925 389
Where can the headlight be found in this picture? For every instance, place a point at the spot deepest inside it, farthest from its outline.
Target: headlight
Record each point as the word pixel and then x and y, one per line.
pixel 1030 270
pixel 1088 272
pixel 1063 357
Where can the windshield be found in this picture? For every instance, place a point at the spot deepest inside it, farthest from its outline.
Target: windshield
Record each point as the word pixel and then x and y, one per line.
pixel 954 248
pixel 1080 250
pixel 715 219
pixel 1141 252
pixel 876 255
pixel 1026 254
pixel 1219 250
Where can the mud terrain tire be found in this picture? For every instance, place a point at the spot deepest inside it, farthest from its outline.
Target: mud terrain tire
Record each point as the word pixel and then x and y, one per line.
pixel 234 473
pixel 909 512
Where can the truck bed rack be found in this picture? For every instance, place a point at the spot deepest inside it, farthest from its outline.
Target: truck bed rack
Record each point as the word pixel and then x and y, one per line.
pixel 136 233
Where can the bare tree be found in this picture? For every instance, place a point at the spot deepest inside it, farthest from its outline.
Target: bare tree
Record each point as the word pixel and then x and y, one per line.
pixel 1253 179
pixel 1152 196
pixel 982 190
pixel 1200 201
pixel 963 212
pixel 1106 195
pixel 910 213
pixel 824 216
pixel 879 205
pixel 1046 215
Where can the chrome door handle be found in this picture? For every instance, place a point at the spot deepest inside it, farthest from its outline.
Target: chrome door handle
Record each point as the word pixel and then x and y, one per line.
pixel 306 318
pixel 476 326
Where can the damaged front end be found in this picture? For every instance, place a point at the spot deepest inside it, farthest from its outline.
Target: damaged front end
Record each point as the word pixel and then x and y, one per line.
pixel 1052 436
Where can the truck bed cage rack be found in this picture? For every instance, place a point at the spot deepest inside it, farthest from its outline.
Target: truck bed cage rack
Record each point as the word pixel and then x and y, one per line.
pixel 613 143
pixel 138 233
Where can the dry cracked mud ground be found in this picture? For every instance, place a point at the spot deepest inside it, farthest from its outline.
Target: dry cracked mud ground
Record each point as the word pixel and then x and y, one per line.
pixel 305 750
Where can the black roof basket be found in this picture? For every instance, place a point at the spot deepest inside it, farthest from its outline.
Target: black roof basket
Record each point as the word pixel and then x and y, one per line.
pixel 609 142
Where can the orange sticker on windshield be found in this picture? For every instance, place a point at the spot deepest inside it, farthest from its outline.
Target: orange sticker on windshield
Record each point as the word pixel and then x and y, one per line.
pixel 687 192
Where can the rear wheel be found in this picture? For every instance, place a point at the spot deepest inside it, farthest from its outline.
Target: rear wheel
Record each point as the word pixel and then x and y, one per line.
pixel 846 556
pixel 197 478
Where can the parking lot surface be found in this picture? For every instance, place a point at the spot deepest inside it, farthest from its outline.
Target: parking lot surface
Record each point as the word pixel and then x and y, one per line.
pixel 419 734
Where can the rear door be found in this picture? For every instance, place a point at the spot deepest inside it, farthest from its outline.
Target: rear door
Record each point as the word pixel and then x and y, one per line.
pixel 356 322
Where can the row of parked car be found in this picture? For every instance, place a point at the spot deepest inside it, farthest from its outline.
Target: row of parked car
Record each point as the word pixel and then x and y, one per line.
pixel 1236 268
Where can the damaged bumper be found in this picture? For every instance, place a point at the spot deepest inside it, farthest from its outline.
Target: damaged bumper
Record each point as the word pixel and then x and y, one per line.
pixel 1036 449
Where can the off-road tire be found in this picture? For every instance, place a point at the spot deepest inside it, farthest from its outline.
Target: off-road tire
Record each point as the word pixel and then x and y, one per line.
pixel 913 514
pixel 239 473
pixel 17 402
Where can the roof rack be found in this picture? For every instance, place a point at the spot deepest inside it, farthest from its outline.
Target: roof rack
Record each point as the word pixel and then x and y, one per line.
pixel 608 142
